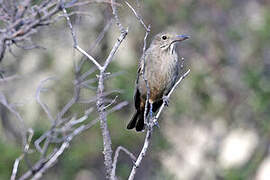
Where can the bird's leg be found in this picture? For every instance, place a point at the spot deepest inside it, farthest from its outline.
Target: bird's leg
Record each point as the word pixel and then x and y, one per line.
pixel 165 100
pixel 151 109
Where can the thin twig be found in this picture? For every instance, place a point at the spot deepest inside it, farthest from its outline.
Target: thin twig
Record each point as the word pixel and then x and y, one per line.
pixel 15 167
pixel 115 159
pixel 138 17
pixel 101 35
pixel 44 106
pixel 115 13
pixel 114 49
pixel 75 43
pixel 17 161
pixel 4 102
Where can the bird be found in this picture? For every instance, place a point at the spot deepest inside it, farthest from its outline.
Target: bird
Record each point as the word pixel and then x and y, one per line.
pixel 161 69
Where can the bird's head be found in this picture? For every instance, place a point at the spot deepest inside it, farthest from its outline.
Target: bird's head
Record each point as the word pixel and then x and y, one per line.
pixel 167 41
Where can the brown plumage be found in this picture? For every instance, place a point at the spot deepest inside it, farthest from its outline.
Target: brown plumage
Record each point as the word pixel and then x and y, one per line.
pixel 161 71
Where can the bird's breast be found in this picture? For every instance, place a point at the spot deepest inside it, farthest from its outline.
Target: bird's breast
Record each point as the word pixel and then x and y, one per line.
pixel 159 74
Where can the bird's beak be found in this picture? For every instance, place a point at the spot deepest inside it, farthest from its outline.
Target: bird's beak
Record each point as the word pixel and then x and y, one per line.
pixel 181 37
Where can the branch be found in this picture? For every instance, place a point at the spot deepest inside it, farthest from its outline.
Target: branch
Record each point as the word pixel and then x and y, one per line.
pixel 44 106
pixel 150 131
pixel 115 159
pixel 138 17
pixel 114 49
pixel 107 148
pixel 115 13
pixel 17 161
pixel 61 132
pixel 15 167
pixel 22 19
pixel 75 43
pixel 5 103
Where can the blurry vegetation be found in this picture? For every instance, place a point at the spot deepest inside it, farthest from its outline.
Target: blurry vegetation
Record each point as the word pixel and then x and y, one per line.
pixel 229 57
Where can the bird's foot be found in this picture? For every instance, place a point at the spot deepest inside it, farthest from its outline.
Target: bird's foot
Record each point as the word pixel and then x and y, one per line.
pixel 166 100
pixel 134 163
pixel 156 123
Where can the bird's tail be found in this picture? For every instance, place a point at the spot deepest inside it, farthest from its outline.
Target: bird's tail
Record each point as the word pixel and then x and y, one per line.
pixel 137 121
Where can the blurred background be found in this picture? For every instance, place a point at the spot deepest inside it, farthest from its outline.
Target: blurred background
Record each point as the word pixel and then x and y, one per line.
pixel 217 125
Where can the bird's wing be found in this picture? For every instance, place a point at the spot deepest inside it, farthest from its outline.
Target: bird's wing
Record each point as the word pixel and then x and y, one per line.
pixel 140 70
pixel 137 95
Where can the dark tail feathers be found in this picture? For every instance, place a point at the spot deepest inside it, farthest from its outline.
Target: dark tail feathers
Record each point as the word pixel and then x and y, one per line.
pixel 137 121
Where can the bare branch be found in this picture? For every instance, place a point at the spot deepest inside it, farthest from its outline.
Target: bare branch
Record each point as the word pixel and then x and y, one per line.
pixel 88 2
pixel 17 161
pixel 45 163
pixel 7 79
pixel 44 106
pixel 119 40
pixel 52 160
pixel 3 101
pixel 75 43
pixel 115 13
pixel 118 107
pixel 138 17
pixel 101 34
pixel 22 19
pixel 107 148
pixel 15 167
pixel 114 49
pixel 115 159
pixel 142 154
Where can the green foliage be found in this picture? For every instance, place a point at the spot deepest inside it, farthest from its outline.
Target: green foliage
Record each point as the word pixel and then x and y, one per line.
pixel 9 152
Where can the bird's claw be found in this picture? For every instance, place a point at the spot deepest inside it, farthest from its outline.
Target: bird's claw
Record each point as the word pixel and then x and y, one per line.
pixel 156 124
pixel 165 100
pixel 134 163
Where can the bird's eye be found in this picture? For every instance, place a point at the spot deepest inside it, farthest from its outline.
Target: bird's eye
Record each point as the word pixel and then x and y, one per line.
pixel 164 37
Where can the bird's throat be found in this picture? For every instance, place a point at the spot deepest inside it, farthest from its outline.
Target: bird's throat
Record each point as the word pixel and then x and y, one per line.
pixel 172 49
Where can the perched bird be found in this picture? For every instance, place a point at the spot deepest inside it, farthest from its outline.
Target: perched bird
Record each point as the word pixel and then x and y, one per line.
pixel 161 69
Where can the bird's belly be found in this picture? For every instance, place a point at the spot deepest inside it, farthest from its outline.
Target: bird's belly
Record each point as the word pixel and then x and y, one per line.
pixel 158 80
